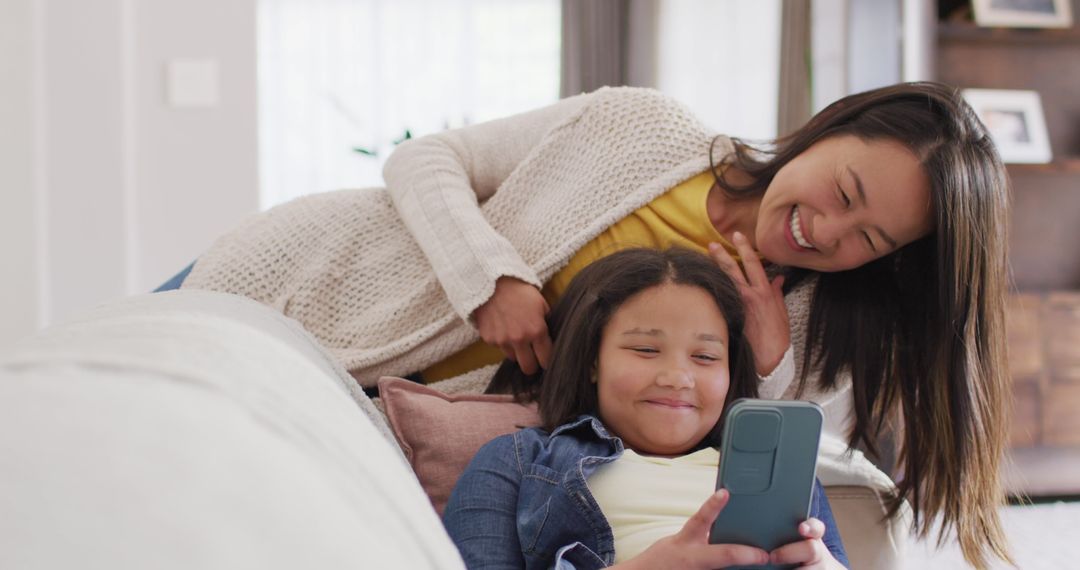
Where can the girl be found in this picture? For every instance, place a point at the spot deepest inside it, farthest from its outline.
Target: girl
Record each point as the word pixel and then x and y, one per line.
pixel 648 348
pixel 886 214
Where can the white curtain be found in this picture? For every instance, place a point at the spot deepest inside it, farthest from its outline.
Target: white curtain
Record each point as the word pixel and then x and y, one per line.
pixel 340 75
pixel 722 58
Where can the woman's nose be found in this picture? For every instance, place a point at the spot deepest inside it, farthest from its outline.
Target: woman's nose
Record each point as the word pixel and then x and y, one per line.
pixel 828 231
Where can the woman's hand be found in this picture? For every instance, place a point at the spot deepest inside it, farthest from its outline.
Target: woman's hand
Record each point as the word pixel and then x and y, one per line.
pixel 767 326
pixel 809 553
pixel 690 549
pixel 513 320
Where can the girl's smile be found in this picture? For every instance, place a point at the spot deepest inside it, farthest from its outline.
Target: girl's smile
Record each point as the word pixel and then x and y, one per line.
pixel 671 403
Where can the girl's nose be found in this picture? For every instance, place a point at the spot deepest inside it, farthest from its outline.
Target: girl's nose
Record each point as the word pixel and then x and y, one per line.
pixel 675 377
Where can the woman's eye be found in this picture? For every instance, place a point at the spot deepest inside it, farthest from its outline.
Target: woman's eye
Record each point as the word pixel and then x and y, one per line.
pixel 869 242
pixel 844 197
pixel 645 349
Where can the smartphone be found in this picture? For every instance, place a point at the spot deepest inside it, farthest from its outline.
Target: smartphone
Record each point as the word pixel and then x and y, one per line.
pixel 768 463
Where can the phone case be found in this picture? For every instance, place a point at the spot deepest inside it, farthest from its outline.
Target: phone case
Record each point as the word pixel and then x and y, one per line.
pixel 768 461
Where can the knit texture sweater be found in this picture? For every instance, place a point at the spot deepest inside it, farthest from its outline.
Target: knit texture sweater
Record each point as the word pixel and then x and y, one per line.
pixel 387 278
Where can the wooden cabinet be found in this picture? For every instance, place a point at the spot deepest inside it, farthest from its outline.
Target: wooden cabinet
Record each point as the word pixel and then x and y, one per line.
pixel 1044 335
pixel 1044 314
pixel 1044 360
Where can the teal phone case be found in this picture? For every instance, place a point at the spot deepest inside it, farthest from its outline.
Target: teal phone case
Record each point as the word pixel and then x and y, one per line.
pixel 768 461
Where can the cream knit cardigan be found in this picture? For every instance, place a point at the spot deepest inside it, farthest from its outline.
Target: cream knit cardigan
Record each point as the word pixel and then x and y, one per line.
pixel 386 278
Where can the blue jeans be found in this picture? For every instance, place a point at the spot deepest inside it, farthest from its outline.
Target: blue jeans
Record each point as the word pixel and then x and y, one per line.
pixel 176 281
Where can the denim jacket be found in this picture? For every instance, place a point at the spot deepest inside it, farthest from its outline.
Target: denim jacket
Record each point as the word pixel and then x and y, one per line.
pixel 523 501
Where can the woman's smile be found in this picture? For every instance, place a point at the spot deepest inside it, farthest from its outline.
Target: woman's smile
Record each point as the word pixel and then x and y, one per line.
pixel 796 238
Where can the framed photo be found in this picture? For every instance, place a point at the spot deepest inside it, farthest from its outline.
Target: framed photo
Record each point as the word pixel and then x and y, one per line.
pixel 1023 13
pixel 1015 121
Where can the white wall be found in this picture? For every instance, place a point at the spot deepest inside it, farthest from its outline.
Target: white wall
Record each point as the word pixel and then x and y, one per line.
pixel 106 190
pixel 197 169
pixel 18 291
pixel 82 110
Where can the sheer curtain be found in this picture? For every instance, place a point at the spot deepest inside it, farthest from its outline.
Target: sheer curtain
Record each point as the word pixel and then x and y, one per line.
pixel 608 42
pixel 719 57
pixel 722 59
pixel 341 81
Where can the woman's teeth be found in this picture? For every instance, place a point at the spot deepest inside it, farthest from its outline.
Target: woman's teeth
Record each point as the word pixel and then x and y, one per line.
pixel 796 229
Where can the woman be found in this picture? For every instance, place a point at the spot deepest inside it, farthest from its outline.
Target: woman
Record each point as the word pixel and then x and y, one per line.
pixel 888 208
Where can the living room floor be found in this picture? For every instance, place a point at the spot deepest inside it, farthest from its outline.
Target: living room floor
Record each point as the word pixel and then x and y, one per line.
pixel 1040 535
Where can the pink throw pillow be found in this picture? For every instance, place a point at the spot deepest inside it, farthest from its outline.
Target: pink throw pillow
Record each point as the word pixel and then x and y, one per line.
pixel 440 434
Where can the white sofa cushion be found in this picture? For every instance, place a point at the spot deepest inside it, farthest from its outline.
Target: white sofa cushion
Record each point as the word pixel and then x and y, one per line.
pixel 199 430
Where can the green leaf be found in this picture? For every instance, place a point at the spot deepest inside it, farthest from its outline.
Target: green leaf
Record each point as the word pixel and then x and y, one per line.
pixel 405 137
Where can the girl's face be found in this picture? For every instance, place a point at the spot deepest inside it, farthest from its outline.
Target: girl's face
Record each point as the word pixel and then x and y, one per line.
pixel 662 371
pixel 842 203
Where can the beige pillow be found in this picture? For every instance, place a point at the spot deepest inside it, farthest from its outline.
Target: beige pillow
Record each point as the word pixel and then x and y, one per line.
pixel 440 434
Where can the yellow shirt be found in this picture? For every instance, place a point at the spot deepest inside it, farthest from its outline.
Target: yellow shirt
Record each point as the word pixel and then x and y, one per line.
pixel 647 498
pixel 677 217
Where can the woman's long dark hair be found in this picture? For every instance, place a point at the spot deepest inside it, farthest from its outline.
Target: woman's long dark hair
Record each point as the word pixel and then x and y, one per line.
pixel 921 331
pixel 565 390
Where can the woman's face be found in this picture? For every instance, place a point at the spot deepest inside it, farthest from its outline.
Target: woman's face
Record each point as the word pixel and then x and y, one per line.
pixel 662 370
pixel 842 203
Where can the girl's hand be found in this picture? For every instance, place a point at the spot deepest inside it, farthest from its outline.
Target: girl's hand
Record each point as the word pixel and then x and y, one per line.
pixel 690 548
pixel 809 553
pixel 767 327
pixel 513 320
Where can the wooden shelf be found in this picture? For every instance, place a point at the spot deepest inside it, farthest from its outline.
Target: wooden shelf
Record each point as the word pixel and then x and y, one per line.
pixel 1063 165
pixel 967 32
pixel 1043 337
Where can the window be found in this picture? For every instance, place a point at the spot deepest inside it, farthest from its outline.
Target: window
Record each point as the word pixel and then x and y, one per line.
pixel 341 81
pixel 722 60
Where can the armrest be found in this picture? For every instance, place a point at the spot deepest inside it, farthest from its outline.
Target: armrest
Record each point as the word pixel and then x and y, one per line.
pixel 871 540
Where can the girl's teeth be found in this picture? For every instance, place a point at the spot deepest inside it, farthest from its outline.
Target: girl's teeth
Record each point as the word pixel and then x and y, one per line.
pixel 796 229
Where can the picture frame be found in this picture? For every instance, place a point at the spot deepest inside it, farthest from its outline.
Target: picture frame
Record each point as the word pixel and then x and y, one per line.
pixel 1023 13
pixel 1016 123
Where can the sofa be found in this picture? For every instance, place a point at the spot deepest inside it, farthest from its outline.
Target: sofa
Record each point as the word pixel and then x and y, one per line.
pixel 193 429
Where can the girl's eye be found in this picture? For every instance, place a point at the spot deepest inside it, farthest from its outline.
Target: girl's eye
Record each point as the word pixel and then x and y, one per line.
pixel 645 349
pixel 706 357
pixel 869 242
